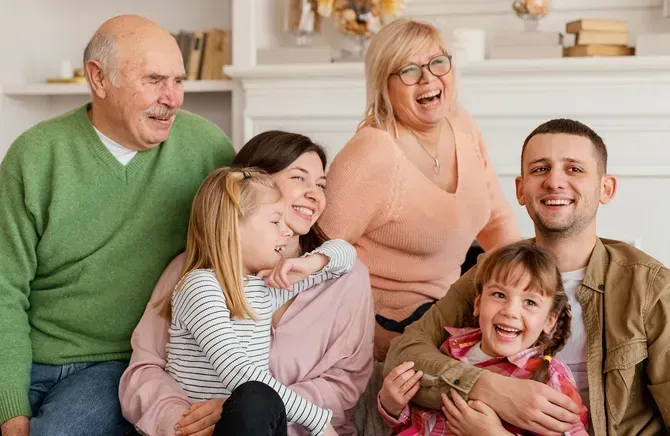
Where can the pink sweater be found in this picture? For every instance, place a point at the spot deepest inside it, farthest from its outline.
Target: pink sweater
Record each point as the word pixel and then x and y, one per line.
pixel 412 235
pixel 322 349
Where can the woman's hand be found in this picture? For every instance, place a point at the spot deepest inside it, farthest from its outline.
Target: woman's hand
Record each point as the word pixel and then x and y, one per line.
pixel 200 418
pixel 290 271
pixel 399 387
pixel 473 418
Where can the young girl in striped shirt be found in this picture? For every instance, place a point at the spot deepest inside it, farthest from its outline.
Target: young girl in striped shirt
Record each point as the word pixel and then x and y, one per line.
pixel 523 320
pixel 221 310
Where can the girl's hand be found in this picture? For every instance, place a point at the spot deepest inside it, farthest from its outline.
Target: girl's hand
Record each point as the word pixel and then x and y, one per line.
pixel 472 418
pixel 200 418
pixel 399 387
pixel 288 272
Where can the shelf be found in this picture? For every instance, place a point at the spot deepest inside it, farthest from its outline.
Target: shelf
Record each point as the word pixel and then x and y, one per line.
pixel 592 65
pixel 46 89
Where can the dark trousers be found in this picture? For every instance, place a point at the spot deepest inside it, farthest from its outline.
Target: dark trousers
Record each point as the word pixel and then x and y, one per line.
pixel 253 409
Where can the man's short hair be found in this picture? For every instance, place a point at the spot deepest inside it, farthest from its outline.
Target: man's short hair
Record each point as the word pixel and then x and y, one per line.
pixel 103 48
pixel 571 127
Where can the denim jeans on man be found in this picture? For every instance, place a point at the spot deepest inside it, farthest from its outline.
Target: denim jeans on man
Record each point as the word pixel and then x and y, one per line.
pixel 80 399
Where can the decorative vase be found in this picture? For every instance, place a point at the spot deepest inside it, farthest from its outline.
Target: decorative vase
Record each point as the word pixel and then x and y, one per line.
pixel 531 11
pixel 301 20
pixel 359 20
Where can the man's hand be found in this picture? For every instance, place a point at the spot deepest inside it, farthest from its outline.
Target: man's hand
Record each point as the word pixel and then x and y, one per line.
pixel 200 418
pixel 471 419
pixel 399 387
pixel 17 426
pixel 527 404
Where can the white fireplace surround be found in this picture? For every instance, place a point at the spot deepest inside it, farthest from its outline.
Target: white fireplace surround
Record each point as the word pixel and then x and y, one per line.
pixel 626 100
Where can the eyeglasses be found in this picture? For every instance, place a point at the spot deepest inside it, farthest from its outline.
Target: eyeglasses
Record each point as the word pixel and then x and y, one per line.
pixel 411 74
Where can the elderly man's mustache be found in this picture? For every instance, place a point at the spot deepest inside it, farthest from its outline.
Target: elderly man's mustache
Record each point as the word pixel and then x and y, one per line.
pixel 161 112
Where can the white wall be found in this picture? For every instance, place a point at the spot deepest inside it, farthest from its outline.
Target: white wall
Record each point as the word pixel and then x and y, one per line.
pixel 35 35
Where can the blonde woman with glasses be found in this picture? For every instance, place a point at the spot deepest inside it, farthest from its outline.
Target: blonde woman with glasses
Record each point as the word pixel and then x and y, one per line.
pixel 415 186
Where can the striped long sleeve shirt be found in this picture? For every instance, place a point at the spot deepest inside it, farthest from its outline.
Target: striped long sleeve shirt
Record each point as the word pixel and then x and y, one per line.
pixel 209 354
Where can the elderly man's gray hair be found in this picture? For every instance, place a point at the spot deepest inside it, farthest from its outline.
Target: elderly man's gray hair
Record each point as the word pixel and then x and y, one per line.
pixel 103 48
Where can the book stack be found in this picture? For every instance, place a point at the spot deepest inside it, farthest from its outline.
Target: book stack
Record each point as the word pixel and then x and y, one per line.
pixel 205 53
pixel 598 38
pixel 526 45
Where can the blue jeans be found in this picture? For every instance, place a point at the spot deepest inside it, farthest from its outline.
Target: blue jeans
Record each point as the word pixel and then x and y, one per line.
pixel 79 399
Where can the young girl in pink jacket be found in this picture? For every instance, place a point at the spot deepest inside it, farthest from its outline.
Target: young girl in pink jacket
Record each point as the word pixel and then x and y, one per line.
pixel 522 321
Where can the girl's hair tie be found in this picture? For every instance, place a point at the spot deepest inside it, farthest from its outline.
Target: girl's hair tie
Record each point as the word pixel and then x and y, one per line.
pixel 547 358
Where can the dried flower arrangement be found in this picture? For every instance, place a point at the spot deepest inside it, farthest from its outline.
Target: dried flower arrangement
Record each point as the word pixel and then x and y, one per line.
pixel 531 9
pixel 360 17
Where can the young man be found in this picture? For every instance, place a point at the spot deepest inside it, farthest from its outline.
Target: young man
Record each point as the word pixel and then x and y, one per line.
pixel 619 350
pixel 93 205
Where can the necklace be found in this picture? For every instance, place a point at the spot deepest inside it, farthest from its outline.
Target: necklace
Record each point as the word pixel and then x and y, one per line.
pixel 436 165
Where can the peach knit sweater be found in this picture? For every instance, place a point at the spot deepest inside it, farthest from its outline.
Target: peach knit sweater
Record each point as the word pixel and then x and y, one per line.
pixel 412 235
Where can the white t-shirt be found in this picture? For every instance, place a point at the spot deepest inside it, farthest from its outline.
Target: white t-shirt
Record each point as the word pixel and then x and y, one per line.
pixel 574 352
pixel 475 354
pixel 121 153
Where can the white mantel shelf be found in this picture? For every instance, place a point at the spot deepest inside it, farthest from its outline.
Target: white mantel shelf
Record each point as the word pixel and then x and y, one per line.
pixel 54 89
pixel 630 66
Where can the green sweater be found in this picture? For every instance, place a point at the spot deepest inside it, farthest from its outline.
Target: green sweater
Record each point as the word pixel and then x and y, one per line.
pixel 84 239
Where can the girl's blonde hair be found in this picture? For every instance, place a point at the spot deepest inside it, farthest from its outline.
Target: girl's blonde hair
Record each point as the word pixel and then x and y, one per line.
pixel 225 198
pixel 510 264
pixel 388 51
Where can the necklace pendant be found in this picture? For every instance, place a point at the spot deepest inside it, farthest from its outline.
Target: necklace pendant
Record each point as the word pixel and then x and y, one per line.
pixel 437 166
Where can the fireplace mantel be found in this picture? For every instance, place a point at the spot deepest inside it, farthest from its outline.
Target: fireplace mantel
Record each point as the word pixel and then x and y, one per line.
pixel 626 100
pixel 629 66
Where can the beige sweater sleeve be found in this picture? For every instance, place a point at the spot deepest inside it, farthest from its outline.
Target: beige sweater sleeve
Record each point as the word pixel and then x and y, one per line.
pixel 362 186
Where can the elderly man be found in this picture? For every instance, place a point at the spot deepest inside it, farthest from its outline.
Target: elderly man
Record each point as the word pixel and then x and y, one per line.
pixel 619 349
pixel 93 206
